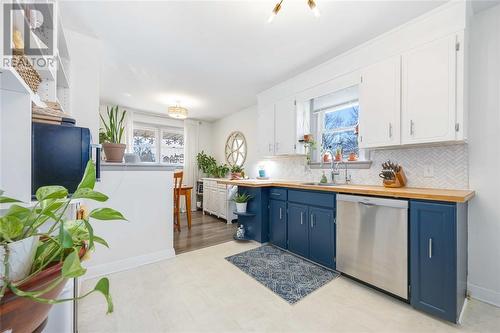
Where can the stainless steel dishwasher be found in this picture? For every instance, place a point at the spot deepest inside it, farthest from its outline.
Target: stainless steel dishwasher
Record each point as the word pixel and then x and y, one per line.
pixel 372 241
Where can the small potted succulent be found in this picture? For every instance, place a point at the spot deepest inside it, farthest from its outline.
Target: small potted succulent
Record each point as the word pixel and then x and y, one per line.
pixel 236 172
pixel 111 135
pixel 241 200
pixel 41 248
pixel 338 154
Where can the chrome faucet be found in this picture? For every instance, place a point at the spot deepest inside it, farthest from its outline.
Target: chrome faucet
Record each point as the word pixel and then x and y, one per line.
pixel 336 172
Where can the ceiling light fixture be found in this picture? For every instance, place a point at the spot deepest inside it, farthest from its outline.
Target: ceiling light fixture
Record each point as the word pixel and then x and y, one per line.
pixel 311 3
pixel 177 111
pixel 274 12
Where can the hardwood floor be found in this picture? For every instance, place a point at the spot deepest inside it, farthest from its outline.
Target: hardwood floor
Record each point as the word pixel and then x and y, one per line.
pixel 206 230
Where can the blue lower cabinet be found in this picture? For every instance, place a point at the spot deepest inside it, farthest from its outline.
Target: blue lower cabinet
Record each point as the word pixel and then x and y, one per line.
pixel 277 222
pixel 298 229
pixel 321 236
pixel 434 276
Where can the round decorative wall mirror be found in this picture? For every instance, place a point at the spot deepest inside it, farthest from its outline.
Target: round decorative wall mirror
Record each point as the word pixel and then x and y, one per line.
pixel 236 149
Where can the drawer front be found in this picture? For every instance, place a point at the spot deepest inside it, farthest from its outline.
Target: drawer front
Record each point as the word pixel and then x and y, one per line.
pixel 312 198
pixel 278 194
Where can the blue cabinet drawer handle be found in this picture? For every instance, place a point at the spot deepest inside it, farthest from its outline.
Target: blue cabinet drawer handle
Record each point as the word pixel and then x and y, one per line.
pixel 278 194
pixel 430 248
pixel 301 218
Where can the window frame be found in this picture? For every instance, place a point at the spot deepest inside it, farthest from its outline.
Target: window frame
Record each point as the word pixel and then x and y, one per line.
pixel 158 129
pixel 319 126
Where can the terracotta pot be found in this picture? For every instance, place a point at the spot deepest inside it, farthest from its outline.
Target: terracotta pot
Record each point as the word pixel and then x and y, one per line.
pixel 236 175
pixel 352 157
pixel 338 157
pixel 114 152
pixel 22 315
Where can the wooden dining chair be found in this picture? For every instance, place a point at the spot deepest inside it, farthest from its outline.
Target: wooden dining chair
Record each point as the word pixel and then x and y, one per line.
pixel 177 199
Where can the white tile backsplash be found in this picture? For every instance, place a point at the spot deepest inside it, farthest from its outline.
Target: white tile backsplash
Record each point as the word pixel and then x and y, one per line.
pixel 449 164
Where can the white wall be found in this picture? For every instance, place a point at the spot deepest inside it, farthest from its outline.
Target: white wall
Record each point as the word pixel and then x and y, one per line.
pixel 484 156
pixel 85 68
pixel 144 198
pixel 244 121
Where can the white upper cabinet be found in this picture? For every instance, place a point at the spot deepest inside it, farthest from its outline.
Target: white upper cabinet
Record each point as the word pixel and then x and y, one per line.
pixel 285 126
pixel 429 92
pixel 265 122
pixel 278 128
pixel 380 104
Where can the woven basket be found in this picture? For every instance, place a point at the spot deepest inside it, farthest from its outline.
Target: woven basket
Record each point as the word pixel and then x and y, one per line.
pixel 29 74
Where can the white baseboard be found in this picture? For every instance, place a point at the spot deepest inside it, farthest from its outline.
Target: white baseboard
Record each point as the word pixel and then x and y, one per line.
pixel 125 264
pixel 485 295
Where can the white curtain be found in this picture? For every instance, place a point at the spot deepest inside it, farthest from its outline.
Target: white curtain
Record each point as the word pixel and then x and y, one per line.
pixel 191 148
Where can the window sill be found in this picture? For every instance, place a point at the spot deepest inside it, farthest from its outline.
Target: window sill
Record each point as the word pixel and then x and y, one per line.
pixel 350 165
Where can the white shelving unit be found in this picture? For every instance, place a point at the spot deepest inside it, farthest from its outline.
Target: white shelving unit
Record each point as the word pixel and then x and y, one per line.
pixel 16 99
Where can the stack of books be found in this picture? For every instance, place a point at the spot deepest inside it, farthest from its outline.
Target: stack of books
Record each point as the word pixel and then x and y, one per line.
pixel 52 114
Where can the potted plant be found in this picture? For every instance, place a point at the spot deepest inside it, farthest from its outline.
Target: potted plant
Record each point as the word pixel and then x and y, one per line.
pixel 236 172
pixel 241 200
pixel 35 264
pixel 207 164
pixel 338 154
pixel 221 171
pixel 111 136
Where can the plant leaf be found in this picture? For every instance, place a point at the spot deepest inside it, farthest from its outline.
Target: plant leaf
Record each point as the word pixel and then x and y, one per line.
pixel 88 179
pixel 87 193
pixel 90 230
pixel 18 211
pixel 72 267
pixel 102 286
pixel 106 214
pixel 51 192
pixel 10 227
pixel 65 239
pixel 7 200
pixel 101 241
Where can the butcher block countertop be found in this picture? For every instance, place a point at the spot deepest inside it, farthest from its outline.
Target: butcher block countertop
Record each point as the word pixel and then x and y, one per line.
pixel 402 192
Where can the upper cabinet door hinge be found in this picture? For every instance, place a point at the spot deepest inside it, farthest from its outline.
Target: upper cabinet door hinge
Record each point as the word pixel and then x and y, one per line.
pixel 457 127
pixel 457 46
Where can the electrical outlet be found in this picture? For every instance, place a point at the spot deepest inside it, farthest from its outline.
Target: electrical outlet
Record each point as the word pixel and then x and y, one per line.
pixel 428 171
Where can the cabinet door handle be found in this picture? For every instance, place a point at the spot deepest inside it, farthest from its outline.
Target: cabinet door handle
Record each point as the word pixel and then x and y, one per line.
pixel 301 218
pixel 412 125
pixel 390 130
pixel 430 248
pixel 277 145
pixel 312 220
pixel 270 147
pixel 281 214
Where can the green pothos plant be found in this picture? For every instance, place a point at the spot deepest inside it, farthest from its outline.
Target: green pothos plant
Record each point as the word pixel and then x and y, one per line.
pixel 61 242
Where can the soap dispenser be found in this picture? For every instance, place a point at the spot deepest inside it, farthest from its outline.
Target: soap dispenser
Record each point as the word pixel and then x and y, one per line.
pixel 323 180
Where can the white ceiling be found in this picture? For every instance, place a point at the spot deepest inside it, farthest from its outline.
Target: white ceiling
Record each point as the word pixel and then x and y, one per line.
pixel 215 56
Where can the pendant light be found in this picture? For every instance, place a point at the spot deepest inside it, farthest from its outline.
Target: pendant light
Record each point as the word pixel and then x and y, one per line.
pixel 177 111
pixel 311 3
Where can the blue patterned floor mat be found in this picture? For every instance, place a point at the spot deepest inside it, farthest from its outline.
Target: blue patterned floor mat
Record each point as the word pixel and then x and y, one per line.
pixel 289 276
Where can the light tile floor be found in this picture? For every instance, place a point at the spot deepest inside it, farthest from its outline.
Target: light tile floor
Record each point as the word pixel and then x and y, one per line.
pixel 200 291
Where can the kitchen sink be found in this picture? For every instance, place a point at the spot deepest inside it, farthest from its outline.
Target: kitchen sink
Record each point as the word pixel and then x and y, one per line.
pixel 320 184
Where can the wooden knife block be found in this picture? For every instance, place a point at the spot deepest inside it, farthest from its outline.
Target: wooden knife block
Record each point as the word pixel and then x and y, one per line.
pixel 398 181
